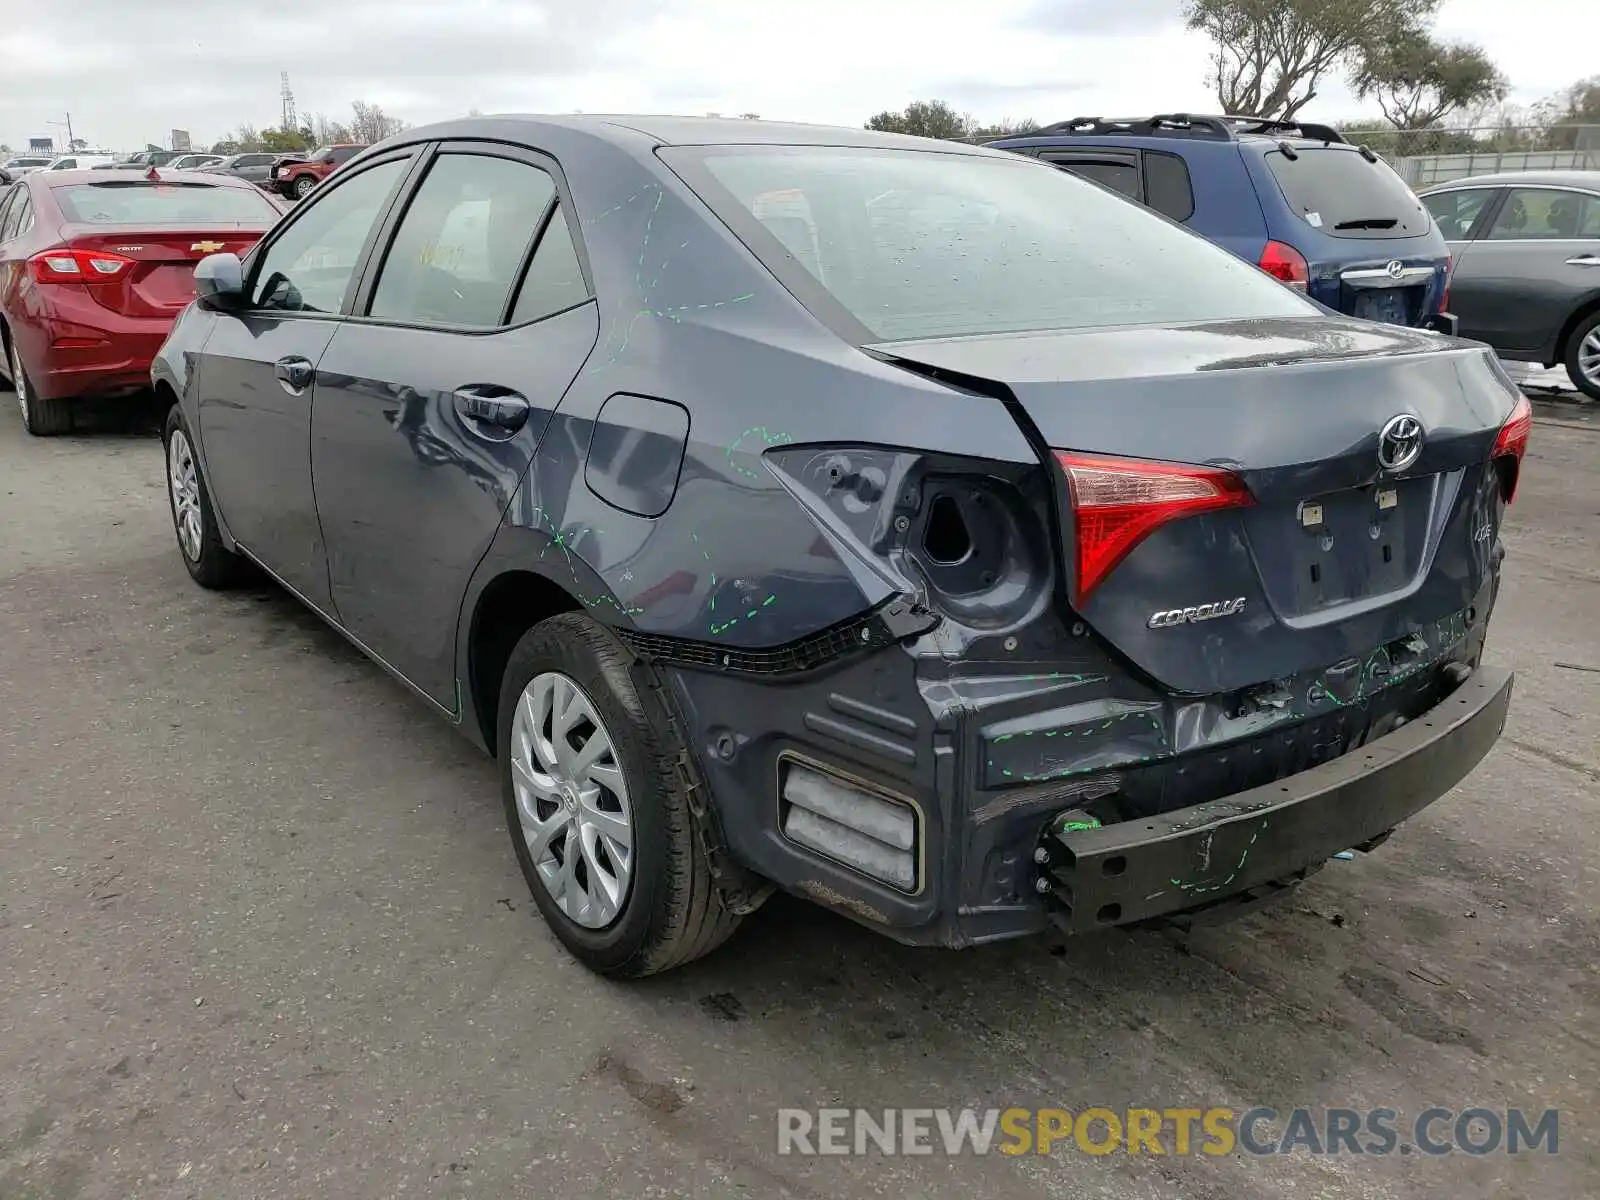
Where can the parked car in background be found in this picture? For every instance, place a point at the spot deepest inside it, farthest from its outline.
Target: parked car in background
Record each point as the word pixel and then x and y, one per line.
pixel 23 163
pixel 80 162
pixel 295 177
pixel 1527 265
pixel 1328 218
pixel 145 159
pixel 193 162
pixel 674 461
pixel 95 265
pixel 253 165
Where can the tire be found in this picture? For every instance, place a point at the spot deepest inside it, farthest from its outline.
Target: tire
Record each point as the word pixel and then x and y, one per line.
pixel 669 912
pixel 210 563
pixel 302 187
pixel 1582 356
pixel 40 417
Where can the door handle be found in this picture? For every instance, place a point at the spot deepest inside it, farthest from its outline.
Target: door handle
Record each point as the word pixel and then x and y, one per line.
pixel 1584 260
pixel 294 374
pixel 493 406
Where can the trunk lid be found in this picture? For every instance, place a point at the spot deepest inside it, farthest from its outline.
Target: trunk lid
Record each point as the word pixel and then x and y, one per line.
pixel 1335 556
pixel 161 280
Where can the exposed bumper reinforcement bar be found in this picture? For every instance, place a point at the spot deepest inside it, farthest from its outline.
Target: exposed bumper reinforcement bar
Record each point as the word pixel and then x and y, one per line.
pixel 1192 858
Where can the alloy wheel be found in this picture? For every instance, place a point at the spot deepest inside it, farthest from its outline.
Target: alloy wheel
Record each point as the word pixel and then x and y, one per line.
pixel 1589 357
pixel 184 480
pixel 572 800
pixel 19 381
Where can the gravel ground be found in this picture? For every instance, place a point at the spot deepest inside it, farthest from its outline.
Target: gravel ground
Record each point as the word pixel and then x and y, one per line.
pixel 264 937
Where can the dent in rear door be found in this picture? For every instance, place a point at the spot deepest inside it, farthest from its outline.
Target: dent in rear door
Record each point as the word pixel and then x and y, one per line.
pixel 410 483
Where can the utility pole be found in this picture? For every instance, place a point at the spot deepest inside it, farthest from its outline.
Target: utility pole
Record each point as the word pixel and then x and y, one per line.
pixel 68 124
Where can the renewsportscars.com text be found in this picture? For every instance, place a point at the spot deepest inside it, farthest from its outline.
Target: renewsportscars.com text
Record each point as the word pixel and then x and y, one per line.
pixel 1166 1131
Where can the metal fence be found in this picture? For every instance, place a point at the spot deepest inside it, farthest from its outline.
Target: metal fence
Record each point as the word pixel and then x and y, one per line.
pixel 1428 156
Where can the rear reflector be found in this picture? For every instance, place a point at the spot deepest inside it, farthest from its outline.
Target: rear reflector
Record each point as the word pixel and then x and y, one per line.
pixel 1285 264
pixel 1118 502
pixel 862 829
pixel 1511 445
pixel 77 266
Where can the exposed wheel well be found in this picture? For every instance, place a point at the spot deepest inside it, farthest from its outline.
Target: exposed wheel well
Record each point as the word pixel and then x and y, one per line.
pixel 1577 318
pixel 509 607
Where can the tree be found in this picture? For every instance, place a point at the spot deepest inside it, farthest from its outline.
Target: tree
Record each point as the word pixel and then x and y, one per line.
pixel 1005 127
pixel 924 118
pixel 246 137
pixel 327 133
pixel 1268 56
pixel 369 123
pixel 1418 81
pixel 291 141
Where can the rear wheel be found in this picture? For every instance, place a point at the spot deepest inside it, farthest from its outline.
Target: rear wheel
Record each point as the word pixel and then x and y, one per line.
pixel 209 562
pixel 40 417
pixel 597 808
pixel 1583 356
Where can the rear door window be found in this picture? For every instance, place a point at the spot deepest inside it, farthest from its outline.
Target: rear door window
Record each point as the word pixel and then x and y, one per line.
pixel 555 280
pixel 1458 211
pixel 1336 190
pixel 456 254
pixel 1544 214
pixel 1120 175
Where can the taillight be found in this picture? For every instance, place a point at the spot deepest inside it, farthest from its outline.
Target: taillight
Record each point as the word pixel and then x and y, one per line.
pixel 1444 296
pixel 77 266
pixel 1285 264
pixel 1510 446
pixel 1118 502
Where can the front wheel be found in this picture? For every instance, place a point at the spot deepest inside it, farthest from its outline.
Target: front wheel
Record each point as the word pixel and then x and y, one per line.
pixel 303 186
pixel 597 806
pixel 1583 356
pixel 209 562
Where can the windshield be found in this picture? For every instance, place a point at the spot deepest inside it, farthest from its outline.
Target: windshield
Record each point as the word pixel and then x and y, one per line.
pixel 1339 192
pixel 917 244
pixel 138 202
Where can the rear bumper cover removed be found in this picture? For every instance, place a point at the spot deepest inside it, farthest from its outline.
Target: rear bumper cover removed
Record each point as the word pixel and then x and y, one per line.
pixel 1201 856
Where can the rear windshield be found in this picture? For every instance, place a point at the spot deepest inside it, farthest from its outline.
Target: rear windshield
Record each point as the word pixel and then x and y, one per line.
pixel 916 244
pixel 1340 192
pixel 146 202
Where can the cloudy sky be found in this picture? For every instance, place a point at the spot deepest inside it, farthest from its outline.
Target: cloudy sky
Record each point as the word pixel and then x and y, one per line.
pixel 131 70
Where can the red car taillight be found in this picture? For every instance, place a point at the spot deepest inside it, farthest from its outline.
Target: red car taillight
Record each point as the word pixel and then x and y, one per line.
pixel 1285 264
pixel 1510 446
pixel 1118 502
pixel 77 266
pixel 1444 297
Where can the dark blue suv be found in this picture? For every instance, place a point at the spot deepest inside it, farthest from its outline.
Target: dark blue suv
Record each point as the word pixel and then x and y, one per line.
pixel 1294 198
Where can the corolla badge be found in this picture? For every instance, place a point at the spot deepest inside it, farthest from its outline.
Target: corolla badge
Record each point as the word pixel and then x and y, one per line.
pixel 1399 442
pixel 1169 617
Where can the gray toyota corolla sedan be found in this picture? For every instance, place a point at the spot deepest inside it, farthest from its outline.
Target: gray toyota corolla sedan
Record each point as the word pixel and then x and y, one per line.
pixel 906 525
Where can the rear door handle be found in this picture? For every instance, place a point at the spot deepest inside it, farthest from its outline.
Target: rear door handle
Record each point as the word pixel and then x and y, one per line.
pixel 496 407
pixel 1584 260
pixel 294 373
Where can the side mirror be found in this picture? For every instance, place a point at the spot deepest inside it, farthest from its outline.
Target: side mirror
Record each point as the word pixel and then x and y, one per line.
pixel 326 158
pixel 219 282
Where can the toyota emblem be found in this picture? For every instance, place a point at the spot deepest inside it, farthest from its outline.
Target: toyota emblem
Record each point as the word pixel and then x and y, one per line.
pixel 1395 269
pixel 1399 443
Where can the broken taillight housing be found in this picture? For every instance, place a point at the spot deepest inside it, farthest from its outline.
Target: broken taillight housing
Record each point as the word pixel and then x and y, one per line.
pixel 1510 446
pixel 1118 502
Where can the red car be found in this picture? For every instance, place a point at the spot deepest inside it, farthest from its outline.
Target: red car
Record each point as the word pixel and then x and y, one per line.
pixel 294 177
pixel 94 268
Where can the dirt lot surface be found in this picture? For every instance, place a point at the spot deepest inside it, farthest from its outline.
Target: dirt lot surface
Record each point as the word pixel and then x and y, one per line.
pixel 263 935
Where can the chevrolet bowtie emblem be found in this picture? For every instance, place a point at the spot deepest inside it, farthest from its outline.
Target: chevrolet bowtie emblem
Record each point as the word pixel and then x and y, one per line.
pixel 207 247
